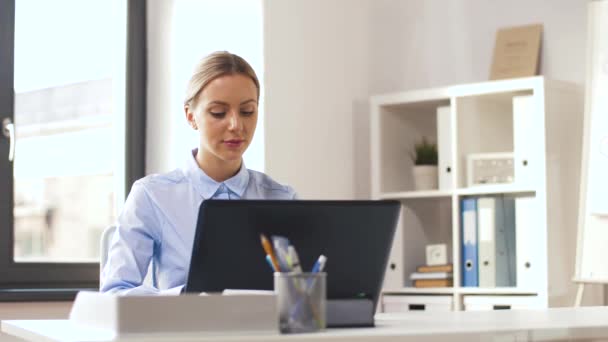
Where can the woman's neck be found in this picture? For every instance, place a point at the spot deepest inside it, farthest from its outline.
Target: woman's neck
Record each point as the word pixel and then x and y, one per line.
pixel 219 170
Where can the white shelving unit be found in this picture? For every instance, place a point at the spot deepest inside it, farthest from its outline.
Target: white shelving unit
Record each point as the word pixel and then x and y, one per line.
pixel 545 138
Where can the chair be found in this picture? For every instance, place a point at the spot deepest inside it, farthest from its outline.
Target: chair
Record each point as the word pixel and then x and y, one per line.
pixel 106 239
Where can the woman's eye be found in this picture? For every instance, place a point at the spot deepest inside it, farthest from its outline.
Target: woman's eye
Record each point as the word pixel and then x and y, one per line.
pixel 218 114
pixel 247 113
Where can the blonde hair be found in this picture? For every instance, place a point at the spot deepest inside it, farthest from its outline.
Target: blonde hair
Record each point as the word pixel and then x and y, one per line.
pixel 214 65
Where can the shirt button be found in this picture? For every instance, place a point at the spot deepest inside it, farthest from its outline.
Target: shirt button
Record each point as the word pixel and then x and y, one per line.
pixel 222 187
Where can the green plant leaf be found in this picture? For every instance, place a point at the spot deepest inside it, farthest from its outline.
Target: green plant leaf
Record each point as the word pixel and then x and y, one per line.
pixel 425 153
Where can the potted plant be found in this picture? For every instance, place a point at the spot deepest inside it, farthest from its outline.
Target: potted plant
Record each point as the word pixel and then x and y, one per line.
pixel 425 165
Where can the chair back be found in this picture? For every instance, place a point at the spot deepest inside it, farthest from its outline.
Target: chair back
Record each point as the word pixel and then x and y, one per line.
pixel 106 238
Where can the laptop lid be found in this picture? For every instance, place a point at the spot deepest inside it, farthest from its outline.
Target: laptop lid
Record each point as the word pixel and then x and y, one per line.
pixel 355 236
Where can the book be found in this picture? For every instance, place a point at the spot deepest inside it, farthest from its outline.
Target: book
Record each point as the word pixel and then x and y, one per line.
pixel 433 283
pixel 516 52
pixel 431 275
pixel 437 268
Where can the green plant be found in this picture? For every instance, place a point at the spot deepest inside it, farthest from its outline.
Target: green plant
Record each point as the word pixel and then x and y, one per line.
pixel 425 153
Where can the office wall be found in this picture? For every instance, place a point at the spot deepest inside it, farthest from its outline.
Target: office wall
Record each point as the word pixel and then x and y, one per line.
pixel 441 42
pixel 315 58
pixel 323 59
pixel 50 310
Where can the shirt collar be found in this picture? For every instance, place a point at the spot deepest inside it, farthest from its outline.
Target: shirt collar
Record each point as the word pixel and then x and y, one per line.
pixel 207 186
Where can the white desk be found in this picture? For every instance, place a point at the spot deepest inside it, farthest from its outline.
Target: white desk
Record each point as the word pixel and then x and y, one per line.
pixel 586 323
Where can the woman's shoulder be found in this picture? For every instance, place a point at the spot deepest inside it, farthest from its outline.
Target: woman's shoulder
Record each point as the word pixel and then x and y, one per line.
pixel 160 181
pixel 269 188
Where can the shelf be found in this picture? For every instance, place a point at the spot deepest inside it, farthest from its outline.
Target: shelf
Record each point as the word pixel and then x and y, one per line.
pixel 461 290
pixel 495 291
pixel 495 189
pixel 477 190
pixel 421 290
pixel 416 194
pixel 524 117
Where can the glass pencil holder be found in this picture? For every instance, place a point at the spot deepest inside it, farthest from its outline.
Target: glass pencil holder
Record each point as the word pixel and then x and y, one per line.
pixel 301 301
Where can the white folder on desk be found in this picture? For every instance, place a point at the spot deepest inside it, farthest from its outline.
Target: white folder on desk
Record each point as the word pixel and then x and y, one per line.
pixel 127 315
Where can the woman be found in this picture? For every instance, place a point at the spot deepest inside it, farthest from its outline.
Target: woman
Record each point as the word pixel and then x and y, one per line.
pixel 159 217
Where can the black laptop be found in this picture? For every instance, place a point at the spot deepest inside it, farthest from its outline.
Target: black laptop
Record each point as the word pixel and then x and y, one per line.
pixel 355 236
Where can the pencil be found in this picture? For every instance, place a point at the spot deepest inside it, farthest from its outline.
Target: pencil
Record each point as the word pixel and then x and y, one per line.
pixel 269 251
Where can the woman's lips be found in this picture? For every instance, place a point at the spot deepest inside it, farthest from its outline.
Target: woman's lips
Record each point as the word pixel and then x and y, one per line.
pixel 233 143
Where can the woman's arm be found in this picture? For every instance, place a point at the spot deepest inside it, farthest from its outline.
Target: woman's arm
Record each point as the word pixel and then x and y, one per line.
pixel 132 247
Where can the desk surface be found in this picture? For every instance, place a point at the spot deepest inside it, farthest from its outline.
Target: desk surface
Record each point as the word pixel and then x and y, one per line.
pixel 533 325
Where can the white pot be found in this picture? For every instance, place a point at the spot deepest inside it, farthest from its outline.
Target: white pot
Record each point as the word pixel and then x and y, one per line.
pixel 425 177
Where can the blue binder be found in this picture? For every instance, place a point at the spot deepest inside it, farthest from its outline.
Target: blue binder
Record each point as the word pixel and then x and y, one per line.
pixel 468 222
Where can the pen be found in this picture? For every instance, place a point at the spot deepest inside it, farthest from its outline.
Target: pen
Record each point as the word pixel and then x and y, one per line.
pixel 269 261
pixel 280 244
pixel 284 264
pixel 295 260
pixel 269 252
pixel 320 264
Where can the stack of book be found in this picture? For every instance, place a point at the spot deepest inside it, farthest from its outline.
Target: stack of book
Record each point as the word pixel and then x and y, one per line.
pixel 433 276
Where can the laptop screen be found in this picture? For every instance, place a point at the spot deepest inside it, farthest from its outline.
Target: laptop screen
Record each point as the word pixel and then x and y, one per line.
pixel 355 236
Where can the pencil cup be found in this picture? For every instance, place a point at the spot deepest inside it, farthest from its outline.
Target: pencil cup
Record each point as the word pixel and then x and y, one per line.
pixel 301 301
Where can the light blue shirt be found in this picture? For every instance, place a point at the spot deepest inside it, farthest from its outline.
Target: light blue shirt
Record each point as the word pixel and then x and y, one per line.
pixel 158 222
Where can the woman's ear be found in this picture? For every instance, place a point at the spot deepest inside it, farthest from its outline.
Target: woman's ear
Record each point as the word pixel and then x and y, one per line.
pixel 190 117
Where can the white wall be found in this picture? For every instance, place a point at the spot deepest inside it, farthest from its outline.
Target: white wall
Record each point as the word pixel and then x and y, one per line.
pixel 440 42
pixel 315 55
pixel 325 58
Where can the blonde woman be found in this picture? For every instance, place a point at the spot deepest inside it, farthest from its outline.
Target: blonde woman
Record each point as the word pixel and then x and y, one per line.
pixel 159 217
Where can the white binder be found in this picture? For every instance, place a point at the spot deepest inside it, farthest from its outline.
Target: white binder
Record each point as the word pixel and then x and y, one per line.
pixel 486 212
pixel 444 147
pixel 527 230
pixel 393 277
pixel 526 124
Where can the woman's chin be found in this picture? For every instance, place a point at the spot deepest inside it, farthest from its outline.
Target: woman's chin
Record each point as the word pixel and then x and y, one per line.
pixel 232 156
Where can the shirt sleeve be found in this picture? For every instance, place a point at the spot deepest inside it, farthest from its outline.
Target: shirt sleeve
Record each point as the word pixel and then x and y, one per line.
pixel 132 247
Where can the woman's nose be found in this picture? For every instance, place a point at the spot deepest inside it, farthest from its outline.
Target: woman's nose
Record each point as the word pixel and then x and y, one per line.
pixel 235 122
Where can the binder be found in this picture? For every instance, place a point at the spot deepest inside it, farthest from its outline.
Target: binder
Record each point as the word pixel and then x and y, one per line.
pixel 469 261
pixel 527 232
pixel 444 147
pixel 486 213
pixel 525 149
pixel 505 241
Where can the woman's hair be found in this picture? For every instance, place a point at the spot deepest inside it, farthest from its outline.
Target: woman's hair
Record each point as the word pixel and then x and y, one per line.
pixel 214 65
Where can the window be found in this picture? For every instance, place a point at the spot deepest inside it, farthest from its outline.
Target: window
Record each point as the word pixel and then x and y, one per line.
pixel 62 97
pixel 199 28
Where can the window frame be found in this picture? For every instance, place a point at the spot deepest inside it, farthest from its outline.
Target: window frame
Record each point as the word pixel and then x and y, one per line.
pixel 47 281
